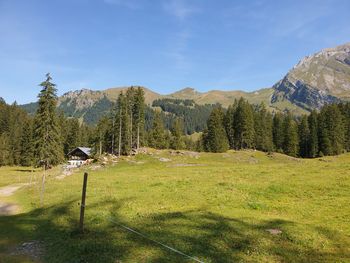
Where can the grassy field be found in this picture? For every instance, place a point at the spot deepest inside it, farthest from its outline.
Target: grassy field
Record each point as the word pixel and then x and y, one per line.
pixel 215 207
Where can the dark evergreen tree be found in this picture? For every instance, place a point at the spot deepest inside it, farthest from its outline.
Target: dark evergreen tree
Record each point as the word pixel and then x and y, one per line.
pixel 278 132
pixel 244 125
pixel 27 145
pixel 290 131
pixel 139 116
pixel 304 137
pixel 4 149
pixel 157 135
pixel 313 140
pixel 177 141
pixel 215 139
pixel 72 135
pixel 47 137
pixel 263 129
pixel 229 124
pixel 331 130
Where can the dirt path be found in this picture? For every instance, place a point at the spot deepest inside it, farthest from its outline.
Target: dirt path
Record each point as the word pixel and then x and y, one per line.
pixel 10 189
pixel 5 207
pixel 8 209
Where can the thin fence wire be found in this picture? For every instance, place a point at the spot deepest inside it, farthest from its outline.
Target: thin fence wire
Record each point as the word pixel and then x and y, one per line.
pixel 154 241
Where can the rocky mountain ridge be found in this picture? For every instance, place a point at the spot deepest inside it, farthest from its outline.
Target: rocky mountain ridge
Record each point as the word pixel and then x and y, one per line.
pixel 316 80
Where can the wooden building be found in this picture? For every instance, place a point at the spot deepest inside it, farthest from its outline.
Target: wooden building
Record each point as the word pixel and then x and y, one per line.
pixel 79 156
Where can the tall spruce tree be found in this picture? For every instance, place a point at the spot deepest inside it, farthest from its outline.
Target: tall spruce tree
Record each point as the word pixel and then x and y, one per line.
pixel 48 146
pixel 157 136
pixel 290 131
pixel 331 130
pixel 72 135
pixel 216 137
pixel 278 132
pixel 229 123
pixel 313 140
pixel 139 116
pixel 130 104
pixel 345 109
pixel 304 137
pixel 27 147
pixel 123 125
pixel 263 129
pixel 177 141
pixel 244 125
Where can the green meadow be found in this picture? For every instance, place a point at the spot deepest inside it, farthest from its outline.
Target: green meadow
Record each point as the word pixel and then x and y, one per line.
pixel 243 206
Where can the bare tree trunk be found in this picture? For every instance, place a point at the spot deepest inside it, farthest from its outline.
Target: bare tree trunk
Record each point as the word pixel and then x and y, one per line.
pixel 138 137
pixel 120 132
pixel 131 132
pixel 42 187
pixel 113 135
pixel 100 146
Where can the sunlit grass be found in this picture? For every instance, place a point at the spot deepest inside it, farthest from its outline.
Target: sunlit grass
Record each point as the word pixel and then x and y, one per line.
pixel 216 207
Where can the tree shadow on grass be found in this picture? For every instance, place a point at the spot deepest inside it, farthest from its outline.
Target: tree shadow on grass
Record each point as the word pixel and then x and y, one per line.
pixel 207 236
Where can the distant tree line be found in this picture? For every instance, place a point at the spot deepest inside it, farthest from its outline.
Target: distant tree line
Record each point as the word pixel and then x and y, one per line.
pixel 122 130
pixel 246 126
pixel 194 116
pixel 132 124
pixel 47 137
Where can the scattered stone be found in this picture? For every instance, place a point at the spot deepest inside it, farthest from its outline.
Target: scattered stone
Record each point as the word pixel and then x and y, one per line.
pixel 253 160
pixel 95 167
pixel 136 162
pixel 65 173
pixel 186 165
pixel 33 249
pixel 325 160
pixel 274 231
pixel 164 159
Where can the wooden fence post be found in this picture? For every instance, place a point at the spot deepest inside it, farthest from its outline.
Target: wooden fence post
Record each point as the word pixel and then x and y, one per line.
pixel 82 206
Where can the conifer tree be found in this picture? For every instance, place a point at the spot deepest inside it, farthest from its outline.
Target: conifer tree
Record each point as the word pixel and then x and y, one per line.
pixel 27 147
pixel 4 149
pixel 72 135
pixel 229 124
pixel 278 132
pixel 47 138
pixel 123 125
pixel 139 116
pixel 130 104
pixel 313 140
pixel 263 129
pixel 290 130
pixel 331 130
pixel 157 135
pixel 304 137
pixel 216 137
pixel 345 109
pixel 244 125
pixel 177 141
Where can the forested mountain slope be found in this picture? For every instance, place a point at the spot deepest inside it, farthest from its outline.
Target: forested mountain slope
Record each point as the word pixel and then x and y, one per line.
pixel 315 81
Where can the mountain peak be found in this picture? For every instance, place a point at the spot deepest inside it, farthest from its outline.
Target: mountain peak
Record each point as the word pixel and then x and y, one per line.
pixel 323 77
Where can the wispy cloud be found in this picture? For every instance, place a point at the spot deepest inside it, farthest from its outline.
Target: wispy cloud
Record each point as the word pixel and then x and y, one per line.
pixel 180 9
pixel 178 49
pixel 276 19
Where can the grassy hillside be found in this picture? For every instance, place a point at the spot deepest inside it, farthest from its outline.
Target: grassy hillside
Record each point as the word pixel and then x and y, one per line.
pixel 231 207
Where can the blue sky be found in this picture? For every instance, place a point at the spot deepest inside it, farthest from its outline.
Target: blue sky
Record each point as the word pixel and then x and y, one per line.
pixel 165 45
